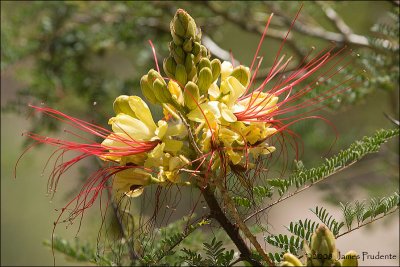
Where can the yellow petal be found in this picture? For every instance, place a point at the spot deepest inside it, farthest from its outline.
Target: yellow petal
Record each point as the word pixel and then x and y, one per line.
pixel 232 87
pixel 172 145
pixel 133 128
pixel 226 70
pixel 234 156
pixel 226 113
pixel 213 91
pixel 162 129
pixel 131 182
pixel 198 113
pixel 142 112
pixel 155 157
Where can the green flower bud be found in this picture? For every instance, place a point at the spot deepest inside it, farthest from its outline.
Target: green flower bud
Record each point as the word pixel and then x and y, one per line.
pixel 191 30
pixel 188 45
pixel 323 245
pixel 181 75
pixel 169 66
pixel 289 257
pixel 147 90
pixel 196 48
pixel 161 92
pixel 204 63
pixel 153 75
pixel 285 263
pixel 242 74
pixel 190 66
pixel 178 54
pixel 203 51
pixel 205 79
pixel 350 259
pixel 215 68
pixel 180 22
pixel 191 95
pixel 176 38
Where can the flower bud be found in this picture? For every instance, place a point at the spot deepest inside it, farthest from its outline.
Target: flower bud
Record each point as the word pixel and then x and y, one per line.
pixel 178 54
pixel 153 75
pixel 188 45
pixel 161 92
pixel 205 79
pixel 215 68
pixel 180 22
pixel 203 51
pixel 196 48
pixel 176 38
pixel 190 66
pixel 204 63
pixel 191 95
pixel 289 257
pixel 169 66
pixel 147 90
pixel 323 245
pixel 181 75
pixel 242 74
pixel 350 259
pixel 286 264
pixel 121 105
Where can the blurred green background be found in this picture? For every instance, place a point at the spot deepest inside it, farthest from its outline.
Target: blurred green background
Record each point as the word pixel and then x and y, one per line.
pixel 78 56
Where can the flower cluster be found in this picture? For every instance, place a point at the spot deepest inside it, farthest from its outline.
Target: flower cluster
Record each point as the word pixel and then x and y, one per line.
pixel 215 118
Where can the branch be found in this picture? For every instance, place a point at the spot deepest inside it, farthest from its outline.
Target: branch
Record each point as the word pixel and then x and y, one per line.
pixel 371 221
pixel 242 226
pixel 294 193
pixel 245 25
pixel 346 36
pixel 232 230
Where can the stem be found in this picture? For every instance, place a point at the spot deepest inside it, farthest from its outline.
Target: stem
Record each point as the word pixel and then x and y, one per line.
pixel 243 227
pixel 232 230
pixel 362 225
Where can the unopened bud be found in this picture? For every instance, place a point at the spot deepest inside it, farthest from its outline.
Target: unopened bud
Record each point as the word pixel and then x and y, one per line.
pixel 178 40
pixel 188 45
pixel 205 79
pixel 350 259
pixel 289 257
pixel 153 75
pixel 323 243
pixel 191 95
pixel 242 74
pixel 190 66
pixel 161 92
pixel 180 22
pixel 204 63
pixel 286 264
pixel 178 54
pixel 181 75
pixel 215 68
pixel 169 66
pixel 147 90
pixel 203 51
pixel 196 48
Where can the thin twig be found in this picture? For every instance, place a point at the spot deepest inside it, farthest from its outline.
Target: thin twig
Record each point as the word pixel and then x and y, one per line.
pixel 371 221
pixel 295 193
pixel 321 33
pixel 245 25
